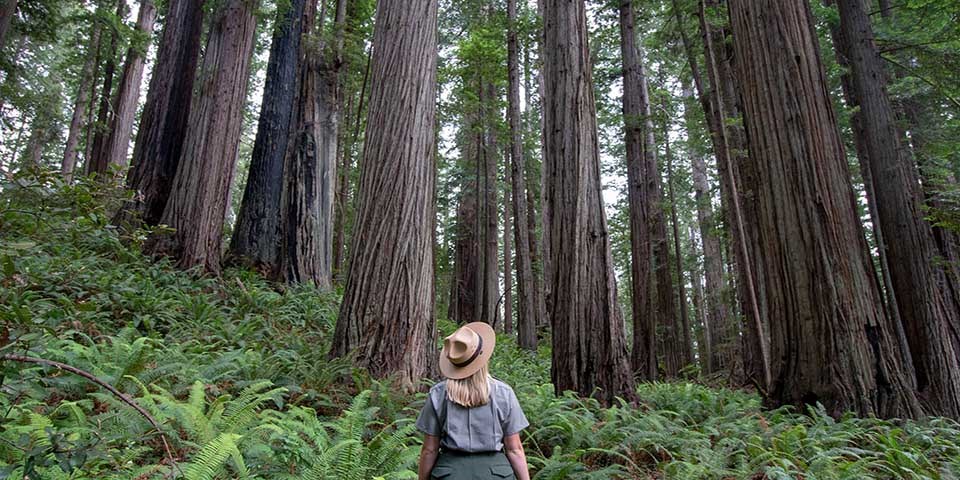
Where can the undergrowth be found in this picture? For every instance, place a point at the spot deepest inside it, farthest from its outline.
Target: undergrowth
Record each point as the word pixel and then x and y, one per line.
pixel 235 371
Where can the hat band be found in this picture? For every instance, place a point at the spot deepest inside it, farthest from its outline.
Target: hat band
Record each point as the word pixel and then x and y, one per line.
pixel 473 357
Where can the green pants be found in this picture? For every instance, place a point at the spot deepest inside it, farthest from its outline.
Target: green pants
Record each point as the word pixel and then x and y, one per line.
pixel 472 466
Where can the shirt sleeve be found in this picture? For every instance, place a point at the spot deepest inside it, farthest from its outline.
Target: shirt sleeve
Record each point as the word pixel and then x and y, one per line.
pixel 428 422
pixel 515 419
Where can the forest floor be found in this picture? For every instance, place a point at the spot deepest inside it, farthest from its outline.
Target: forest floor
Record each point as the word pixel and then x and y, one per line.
pixel 234 370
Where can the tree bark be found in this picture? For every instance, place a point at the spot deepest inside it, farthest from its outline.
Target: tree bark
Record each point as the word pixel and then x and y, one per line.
pixel 198 200
pixel 507 267
pixel 97 161
pixel 701 321
pixel 644 355
pixel 128 91
pixel 490 227
pixel 686 345
pixel 80 106
pixel 737 180
pixel 465 306
pixel 386 318
pixel 527 298
pixel 829 337
pixel 589 346
pixel 164 121
pixel 927 309
pixel 8 10
pixel 256 237
pixel 306 215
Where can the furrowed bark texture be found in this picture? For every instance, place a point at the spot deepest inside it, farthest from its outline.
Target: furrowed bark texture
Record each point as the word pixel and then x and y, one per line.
pixel 528 311
pixel 256 236
pixel 163 123
pixel 309 172
pixel 644 355
pixel 923 293
pixel 589 346
pixel 80 106
pixel 128 92
pixel 829 341
pixel 201 187
pixel 737 182
pixel 387 317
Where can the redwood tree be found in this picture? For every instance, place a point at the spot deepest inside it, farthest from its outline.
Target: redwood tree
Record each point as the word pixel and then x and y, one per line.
pixel 256 235
pixel 128 89
pixel 201 187
pixel 644 356
pixel 830 341
pixel 928 309
pixel 589 344
pixel 163 123
pixel 386 318
pixel 527 298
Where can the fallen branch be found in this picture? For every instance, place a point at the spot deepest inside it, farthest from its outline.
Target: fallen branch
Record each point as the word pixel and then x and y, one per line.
pixel 110 388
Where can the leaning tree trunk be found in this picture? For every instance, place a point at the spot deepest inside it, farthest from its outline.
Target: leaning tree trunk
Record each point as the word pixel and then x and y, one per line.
pixel 306 212
pixel 527 303
pixel 256 235
pixel 8 10
pixel 198 200
pixel 829 337
pixel 927 308
pixel 80 107
pixel 589 345
pixel 96 161
pixel 128 91
pixel 386 318
pixel 644 355
pixel 163 123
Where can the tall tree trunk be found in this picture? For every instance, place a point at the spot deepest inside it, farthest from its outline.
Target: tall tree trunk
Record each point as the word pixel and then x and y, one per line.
pixel 198 200
pixel 737 180
pixel 128 90
pixel 527 303
pixel 8 10
pixel 256 235
pixel 490 228
pixel 80 106
pixel 644 355
pixel 927 309
pixel 701 321
pixel 465 286
pixel 589 345
pixel 97 161
pixel 686 345
pixel 387 317
pixel 309 172
pixel 339 243
pixel 507 267
pixel 829 336
pixel 663 306
pixel 164 121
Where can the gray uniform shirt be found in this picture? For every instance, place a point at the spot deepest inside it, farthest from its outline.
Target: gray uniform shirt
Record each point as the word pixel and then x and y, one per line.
pixel 477 429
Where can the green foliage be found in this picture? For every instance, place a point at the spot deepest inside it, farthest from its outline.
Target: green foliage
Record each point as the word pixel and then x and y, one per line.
pixel 235 372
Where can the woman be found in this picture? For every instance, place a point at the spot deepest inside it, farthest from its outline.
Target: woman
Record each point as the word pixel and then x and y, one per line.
pixel 472 421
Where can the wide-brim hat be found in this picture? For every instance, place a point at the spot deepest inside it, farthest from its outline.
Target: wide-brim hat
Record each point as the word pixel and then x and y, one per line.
pixel 467 350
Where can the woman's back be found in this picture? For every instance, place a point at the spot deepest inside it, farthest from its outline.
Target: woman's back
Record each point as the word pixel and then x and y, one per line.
pixel 472 429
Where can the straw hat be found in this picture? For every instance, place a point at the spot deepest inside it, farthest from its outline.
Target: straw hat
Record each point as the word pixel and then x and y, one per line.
pixel 467 350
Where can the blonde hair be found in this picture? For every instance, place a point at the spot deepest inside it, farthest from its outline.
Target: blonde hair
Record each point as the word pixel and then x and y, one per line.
pixel 472 391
